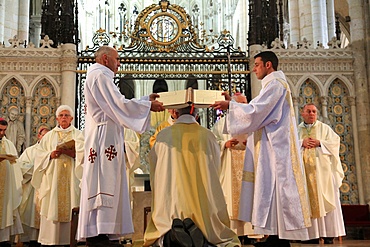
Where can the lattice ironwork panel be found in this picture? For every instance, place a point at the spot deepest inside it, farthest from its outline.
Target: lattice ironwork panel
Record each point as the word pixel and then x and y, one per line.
pixel 340 116
pixel 44 105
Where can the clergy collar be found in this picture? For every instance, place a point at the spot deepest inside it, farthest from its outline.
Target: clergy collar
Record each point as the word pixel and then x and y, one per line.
pixel 186 118
pixel 272 76
pixel 103 68
pixel 309 125
pixel 58 128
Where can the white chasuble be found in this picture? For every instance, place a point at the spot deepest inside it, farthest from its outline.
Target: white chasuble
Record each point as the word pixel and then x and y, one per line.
pixel 184 177
pixel 324 174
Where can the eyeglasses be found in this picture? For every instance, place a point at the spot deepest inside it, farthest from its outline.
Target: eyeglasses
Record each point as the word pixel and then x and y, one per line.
pixel 64 115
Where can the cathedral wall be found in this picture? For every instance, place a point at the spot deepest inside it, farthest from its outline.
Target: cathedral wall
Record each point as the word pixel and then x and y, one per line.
pixel 38 80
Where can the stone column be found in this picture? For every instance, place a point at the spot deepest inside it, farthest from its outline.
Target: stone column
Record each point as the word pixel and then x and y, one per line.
pixel 68 67
pixel 10 23
pixel 358 42
pixel 319 23
pixel 294 22
pixel 352 102
pixel 244 24
pixel 28 120
pixel 296 108
pixel 2 21
pixel 256 85
pixel 305 20
pixel 23 20
pixel 330 13
pixel 36 30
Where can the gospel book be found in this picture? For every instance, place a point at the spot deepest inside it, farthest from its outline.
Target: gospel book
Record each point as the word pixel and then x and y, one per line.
pixel 9 157
pixel 184 98
pixel 66 145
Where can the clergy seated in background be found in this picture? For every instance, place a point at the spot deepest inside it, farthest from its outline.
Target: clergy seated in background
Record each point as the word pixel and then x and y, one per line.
pixel 188 205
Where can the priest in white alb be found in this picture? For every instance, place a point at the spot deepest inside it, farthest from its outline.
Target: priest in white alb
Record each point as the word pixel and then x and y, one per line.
pixel 273 193
pixel 10 190
pixel 105 211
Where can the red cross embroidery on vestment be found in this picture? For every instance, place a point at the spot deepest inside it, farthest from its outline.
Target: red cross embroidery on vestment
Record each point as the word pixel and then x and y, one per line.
pixel 92 155
pixel 110 152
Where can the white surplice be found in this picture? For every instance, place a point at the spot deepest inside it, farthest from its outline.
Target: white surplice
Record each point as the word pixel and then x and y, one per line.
pixel 29 213
pixel 105 205
pixel 10 192
pixel 132 149
pixel 328 179
pixel 184 177
pixel 58 187
pixel 273 193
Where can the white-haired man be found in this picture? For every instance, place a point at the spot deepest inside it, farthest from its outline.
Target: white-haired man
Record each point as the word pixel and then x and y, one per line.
pixel 105 211
pixel 55 179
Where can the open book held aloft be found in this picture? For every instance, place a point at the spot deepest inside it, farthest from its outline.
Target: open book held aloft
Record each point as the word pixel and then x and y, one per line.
pixel 184 98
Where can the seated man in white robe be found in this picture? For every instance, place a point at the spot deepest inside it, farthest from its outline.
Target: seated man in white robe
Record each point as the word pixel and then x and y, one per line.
pixel 188 205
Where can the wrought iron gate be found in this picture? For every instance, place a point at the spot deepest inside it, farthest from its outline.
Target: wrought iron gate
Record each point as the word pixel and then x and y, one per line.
pixel 164 44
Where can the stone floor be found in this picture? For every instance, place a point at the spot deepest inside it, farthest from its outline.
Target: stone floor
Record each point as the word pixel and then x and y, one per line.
pixel 344 243
pixel 337 243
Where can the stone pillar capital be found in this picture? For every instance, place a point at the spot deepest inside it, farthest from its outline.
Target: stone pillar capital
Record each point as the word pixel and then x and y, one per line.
pixel 324 100
pixel 29 101
pixel 295 100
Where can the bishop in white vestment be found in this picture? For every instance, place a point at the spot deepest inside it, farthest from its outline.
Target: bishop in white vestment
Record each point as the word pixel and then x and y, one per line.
pixel 324 174
pixel 55 179
pixel 184 177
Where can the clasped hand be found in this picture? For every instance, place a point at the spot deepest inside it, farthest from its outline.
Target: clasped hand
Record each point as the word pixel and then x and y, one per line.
pixel 231 143
pixel 310 143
